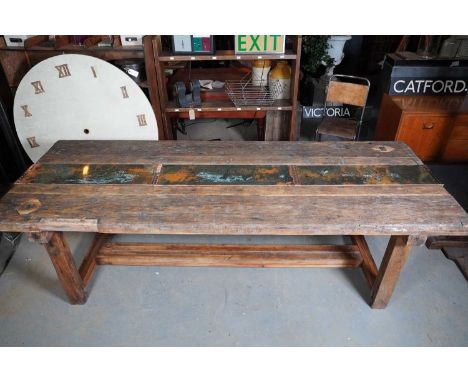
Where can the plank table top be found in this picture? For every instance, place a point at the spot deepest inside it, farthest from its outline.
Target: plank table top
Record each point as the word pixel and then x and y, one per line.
pixel 231 188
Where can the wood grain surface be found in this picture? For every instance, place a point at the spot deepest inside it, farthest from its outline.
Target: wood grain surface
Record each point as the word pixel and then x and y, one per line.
pixel 62 260
pixel 229 152
pixel 393 262
pixel 354 188
pixel 226 255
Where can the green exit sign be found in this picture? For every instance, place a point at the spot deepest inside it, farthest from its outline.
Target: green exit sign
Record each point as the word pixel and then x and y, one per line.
pixel 259 44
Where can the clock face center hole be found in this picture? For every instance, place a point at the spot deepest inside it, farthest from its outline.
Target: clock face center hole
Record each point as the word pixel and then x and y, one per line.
pixel 86 131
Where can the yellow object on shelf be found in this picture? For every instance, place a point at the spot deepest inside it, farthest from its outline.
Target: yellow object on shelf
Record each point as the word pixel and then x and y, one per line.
pixel 260 70
pixel 280 80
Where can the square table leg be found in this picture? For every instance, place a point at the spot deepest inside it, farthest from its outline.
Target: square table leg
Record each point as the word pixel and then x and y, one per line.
pixel 88 266
pixel 394 259
pixel 368 264
pixel 59 253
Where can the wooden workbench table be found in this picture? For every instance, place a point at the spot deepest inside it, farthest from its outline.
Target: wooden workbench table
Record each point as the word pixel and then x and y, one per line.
pixel 231 188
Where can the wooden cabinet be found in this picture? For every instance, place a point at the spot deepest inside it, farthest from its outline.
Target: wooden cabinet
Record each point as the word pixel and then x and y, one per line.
pixel 456 149
pixel 425 134
pixel 436 128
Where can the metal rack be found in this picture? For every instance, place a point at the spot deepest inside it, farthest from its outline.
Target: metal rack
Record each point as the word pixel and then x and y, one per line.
pixel 244 93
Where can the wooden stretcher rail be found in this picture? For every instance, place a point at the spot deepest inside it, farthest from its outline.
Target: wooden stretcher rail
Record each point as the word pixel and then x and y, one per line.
pixel 335 256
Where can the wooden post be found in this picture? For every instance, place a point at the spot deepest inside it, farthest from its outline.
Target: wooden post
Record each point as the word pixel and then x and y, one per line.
pixel 368 265
pixel 174 126
pixel 261 129
pixel 295 73
pixel 394 259
pixel 151 77
pixel 88 266
pixel 61 257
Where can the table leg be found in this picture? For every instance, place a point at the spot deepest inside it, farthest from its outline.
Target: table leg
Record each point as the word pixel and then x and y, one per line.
pixel 88 266
pixel 59 253
pixel 174 126
pixel 261 129
pixel 368 265
pixel 394 259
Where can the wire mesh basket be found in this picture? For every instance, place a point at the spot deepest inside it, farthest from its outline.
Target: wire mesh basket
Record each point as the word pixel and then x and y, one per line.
pixel 244 93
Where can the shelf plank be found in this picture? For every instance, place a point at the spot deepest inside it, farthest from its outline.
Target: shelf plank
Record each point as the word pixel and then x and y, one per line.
pixel 74 48
pixel 227 55
pixel 223 106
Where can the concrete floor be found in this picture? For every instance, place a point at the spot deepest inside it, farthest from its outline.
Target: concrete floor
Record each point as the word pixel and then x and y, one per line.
pixel 155 306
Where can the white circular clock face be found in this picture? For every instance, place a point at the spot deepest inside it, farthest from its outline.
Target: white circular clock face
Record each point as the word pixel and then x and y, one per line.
pixel 75 96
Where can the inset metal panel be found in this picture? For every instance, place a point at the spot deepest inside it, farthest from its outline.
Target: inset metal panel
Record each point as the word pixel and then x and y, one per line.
pixel 323 175
pixel 89 174
pixel 224 174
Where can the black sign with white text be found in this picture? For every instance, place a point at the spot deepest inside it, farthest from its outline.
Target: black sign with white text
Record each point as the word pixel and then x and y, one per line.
pixel 428 86
pixel 332 111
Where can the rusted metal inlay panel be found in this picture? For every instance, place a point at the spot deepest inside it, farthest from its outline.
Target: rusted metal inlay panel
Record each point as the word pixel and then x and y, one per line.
pixel 89 174
pixel 336 175
pixel 227 175
pixel 224 174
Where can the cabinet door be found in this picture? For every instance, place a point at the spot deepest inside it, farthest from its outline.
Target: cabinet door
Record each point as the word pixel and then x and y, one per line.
pixel 460 128
pixel 456 151
pixel 425 134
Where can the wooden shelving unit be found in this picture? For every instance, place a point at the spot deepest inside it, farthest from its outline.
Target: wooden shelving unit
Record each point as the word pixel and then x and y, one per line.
pixel 216 104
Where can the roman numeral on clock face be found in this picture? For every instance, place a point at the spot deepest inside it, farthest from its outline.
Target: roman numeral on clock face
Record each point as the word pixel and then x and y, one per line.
pixel 124 91
pixel 26 111
pixel 63 70
pixel 141 120
pixel 32 142
pixel 38 89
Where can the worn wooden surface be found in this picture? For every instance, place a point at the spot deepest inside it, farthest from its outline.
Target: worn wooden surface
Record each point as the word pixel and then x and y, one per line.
pixel 234 188
pixel 347 93
pixel 88 265
pixel 368 265
pixel 61 258
pixel 393 262
pixel 439 242
pixel 330 256
pixel 234 153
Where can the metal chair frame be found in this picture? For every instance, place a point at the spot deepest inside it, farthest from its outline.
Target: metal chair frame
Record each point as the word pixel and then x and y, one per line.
pixel 359 121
